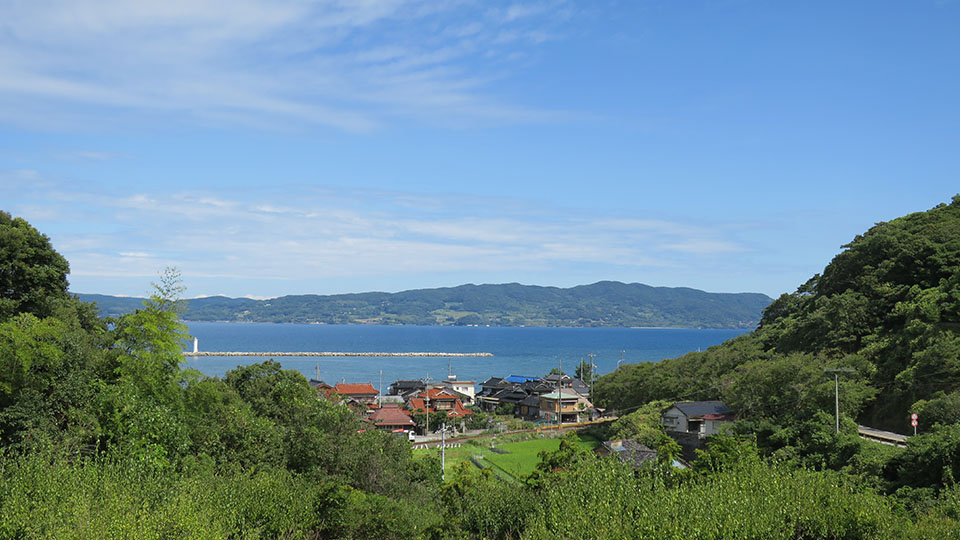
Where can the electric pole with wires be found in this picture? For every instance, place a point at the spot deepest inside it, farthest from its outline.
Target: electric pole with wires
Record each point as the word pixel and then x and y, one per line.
pixel 836 389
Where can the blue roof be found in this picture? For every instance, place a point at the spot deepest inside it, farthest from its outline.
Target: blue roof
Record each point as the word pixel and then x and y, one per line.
pixel 520 379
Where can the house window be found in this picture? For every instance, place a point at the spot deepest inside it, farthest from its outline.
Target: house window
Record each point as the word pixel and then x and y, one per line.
pixel 693 426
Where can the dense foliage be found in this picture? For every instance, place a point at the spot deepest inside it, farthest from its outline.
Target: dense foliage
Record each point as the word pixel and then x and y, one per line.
pixel 606 303
pixel 104 435
pixel 886 312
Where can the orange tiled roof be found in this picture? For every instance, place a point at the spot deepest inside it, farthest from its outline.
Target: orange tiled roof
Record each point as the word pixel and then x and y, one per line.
pixel 437 393
pixel 417 403
pixel 391 417
pixel 351 389
pixel 457 410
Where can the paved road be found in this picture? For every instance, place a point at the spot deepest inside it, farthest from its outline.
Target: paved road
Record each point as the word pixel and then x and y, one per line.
pixel 885 437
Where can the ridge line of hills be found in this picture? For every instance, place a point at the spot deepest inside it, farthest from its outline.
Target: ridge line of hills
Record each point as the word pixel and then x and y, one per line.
pixel 601 304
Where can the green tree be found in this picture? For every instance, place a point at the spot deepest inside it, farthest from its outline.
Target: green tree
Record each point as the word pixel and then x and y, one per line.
pixel 585 372
pixel 142 407
pixel 33 276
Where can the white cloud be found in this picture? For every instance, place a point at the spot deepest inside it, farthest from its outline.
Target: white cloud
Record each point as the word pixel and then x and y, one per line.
pixel 301 233
pixel 354 234
pixel 352 65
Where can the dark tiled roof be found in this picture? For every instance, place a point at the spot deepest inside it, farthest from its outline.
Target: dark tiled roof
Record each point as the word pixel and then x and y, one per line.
pixel 511 395
pixel 629 451
pixel 554 377
pixel 694 409
pixel 531 401
pixel 402 386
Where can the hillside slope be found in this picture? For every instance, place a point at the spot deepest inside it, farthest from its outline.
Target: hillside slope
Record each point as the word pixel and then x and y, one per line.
pixel 887 306
pixel 606 303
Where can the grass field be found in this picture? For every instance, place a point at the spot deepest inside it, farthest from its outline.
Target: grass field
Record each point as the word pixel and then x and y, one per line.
pixel 521 459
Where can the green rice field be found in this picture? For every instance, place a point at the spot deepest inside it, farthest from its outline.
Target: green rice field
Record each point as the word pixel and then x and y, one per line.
pixel 521 459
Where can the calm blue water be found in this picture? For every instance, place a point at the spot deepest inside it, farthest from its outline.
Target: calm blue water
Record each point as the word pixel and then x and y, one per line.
pixel 517 351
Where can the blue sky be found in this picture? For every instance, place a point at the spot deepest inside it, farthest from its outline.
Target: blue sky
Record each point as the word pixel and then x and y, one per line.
pixel 272 147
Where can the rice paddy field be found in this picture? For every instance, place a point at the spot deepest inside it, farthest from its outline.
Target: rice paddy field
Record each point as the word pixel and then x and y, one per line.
pixel 519 458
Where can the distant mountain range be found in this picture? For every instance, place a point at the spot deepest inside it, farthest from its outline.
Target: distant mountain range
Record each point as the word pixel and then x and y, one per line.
pixel 607 303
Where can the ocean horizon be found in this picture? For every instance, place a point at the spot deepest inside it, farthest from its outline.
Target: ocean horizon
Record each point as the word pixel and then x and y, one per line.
pixel 530 351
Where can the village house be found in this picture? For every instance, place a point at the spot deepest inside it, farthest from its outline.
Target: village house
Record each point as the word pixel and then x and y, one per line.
pixel 562 380
pixel 391 417
pixel 703 418
pixel 628 451
pixel 438 400
pixel 523 392
pixel 465 390
pixel 407 388
pixel 486 399
pixel 569 405
pixel 323 389
pixel 360 393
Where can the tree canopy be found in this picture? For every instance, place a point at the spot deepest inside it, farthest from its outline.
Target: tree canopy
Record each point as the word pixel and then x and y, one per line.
pixel 33 276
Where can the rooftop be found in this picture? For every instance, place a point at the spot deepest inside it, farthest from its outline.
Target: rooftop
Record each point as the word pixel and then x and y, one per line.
pixel 693 409
pixel 355 389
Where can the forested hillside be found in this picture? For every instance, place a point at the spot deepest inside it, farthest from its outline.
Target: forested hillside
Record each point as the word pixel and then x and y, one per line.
pixel 607 303
pixel 885 311
pixel 104 435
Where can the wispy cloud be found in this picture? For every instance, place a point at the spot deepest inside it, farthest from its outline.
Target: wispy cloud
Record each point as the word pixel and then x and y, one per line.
pixel 344 64
pixel 305 233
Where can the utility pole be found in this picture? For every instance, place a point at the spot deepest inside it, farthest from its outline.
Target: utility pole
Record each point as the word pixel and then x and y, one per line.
pixel 621 359
pixel 559 395
pixel 443 451
pixel 428 412
pixel 836 389
pixel 590 379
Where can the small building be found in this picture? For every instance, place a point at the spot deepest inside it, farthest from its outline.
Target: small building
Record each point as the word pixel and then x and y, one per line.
pixel 569 405
pixel 703 418
pixel 323 389
pixel 487 398
pixel 530 407
pixel 391 417
pixel 466 390
pixel 437 400
pixel 562 380
pixel 406 387
pixel 398 401
pixel 363 393
pixel 628 451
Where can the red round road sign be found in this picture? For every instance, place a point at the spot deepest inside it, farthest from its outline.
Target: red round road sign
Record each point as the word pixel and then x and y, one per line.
pixel 913 423
pixel 913 417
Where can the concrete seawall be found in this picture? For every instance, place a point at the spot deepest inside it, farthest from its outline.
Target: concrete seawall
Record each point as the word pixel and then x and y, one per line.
pixel 341 354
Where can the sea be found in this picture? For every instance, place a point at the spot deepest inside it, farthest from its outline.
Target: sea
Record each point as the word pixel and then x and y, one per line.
pixel 528 351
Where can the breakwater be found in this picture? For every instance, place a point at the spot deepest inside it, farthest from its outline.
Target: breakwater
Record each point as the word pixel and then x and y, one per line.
pixel 344 354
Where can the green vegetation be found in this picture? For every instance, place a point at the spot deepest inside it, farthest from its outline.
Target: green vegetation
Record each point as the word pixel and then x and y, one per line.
pixel 886 310
pixel 607 303
pixel 104 435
